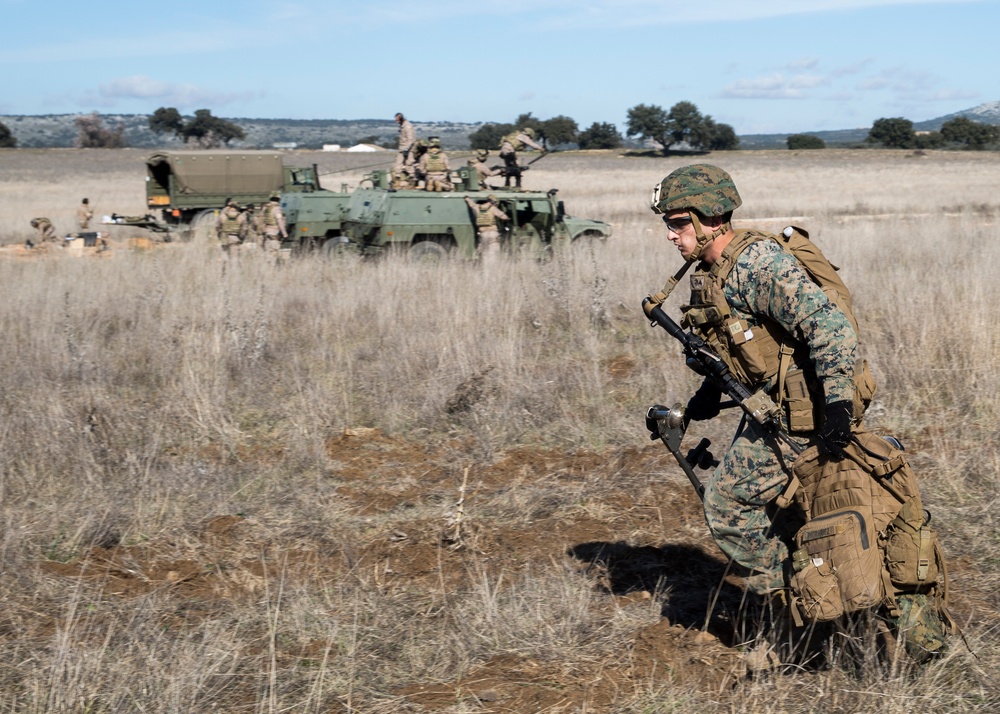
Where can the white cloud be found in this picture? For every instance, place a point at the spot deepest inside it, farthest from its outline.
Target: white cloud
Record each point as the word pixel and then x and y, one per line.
pixel 775 86
pixel 181 96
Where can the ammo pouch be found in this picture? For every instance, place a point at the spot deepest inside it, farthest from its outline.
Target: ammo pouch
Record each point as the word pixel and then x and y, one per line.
pixel 819 591
pixel 846 542
pixel 865 519
pixel 913 558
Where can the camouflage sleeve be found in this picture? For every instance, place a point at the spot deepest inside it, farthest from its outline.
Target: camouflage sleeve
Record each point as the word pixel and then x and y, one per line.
pixel 769 282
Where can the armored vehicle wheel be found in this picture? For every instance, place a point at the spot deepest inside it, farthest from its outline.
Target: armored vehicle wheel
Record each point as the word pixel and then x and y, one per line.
pixel 427 251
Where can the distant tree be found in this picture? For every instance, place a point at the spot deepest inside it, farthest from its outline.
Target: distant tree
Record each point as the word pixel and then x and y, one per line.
pixel 489 136
pixel 600 136
pixel 648 122
pixel 683 124
pixel 723 136
pixel 970 134
pixel 930 140
pixel 92 134
pixel 526 121
pixel 805 141
pixel 203 129
pixel 7 140
pixel 686 124
pixel 209 131
pixel 894 133
pixel 167 120
pixel 558 130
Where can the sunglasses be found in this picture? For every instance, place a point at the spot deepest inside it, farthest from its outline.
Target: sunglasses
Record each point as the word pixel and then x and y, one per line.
pixel 678 223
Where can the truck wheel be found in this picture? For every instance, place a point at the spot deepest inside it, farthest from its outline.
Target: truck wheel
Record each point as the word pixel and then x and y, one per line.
pixel 427 251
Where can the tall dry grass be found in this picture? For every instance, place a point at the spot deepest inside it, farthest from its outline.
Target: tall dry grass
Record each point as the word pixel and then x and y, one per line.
pixel 143 394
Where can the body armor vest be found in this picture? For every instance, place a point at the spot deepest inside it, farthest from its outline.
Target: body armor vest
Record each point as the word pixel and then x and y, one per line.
pixel 269 218
pixel 515 143
pixel 436 162
pixel 485 218
pixel 760 353
pixel 230 221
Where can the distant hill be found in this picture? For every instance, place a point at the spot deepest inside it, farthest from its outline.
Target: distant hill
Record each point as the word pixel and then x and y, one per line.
pixel 59 130
pixel 988 113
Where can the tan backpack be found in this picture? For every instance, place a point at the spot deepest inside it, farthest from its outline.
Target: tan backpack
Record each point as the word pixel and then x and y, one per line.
pixel 867 540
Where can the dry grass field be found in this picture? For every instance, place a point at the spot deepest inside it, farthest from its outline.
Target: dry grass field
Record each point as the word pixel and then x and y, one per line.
pixel 374 487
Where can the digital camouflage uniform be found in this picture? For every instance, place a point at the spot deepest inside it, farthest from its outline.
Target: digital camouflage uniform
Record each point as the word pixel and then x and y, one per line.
pixel 769 284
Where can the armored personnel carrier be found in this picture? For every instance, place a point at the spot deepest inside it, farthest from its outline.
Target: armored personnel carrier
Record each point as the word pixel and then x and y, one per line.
pixel 376 218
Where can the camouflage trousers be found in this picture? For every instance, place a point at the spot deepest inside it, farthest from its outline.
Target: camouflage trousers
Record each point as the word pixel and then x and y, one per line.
pixel 744 522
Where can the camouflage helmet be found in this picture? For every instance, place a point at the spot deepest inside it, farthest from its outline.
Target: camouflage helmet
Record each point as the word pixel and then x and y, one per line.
pixel 492 198
pixel 435 141
pixel 528 131
pixel 704 188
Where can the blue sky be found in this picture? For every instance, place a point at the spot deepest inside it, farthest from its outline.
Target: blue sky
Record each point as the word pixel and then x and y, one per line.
pixel 760 66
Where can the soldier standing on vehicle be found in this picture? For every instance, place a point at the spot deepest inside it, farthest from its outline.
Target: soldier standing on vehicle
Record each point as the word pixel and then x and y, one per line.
pixel 83 214
pixel 487 216
pixel 231 228
pixel 434 166
pixel 511 144
pixel 46 234
pixel 273 222
pixel 407 136
pixel 483 172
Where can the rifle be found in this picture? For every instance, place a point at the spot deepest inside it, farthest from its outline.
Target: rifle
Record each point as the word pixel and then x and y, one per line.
pixel 702 359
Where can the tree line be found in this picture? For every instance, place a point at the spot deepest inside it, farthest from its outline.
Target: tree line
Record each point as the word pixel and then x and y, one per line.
pixel 682 127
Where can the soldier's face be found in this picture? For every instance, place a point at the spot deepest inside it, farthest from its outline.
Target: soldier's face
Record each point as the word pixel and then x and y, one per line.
pixel 681 232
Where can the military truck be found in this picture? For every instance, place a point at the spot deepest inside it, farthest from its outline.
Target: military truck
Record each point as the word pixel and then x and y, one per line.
pixel 376 218
pixel 190 187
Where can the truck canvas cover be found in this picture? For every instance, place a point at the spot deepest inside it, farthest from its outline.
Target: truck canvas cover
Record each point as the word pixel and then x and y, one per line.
pixel 215 172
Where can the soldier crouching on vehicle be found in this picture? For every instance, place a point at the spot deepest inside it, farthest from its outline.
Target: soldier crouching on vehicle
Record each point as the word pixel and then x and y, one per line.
pixel 434 165
pixel 483 172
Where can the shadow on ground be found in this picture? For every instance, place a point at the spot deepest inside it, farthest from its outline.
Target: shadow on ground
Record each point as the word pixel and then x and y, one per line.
pixel 693 585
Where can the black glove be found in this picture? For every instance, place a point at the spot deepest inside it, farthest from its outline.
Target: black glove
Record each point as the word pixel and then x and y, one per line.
pixel 704 404
pixel 835 433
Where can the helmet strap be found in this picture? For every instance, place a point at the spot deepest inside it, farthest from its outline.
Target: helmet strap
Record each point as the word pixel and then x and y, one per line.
pixel 704 240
